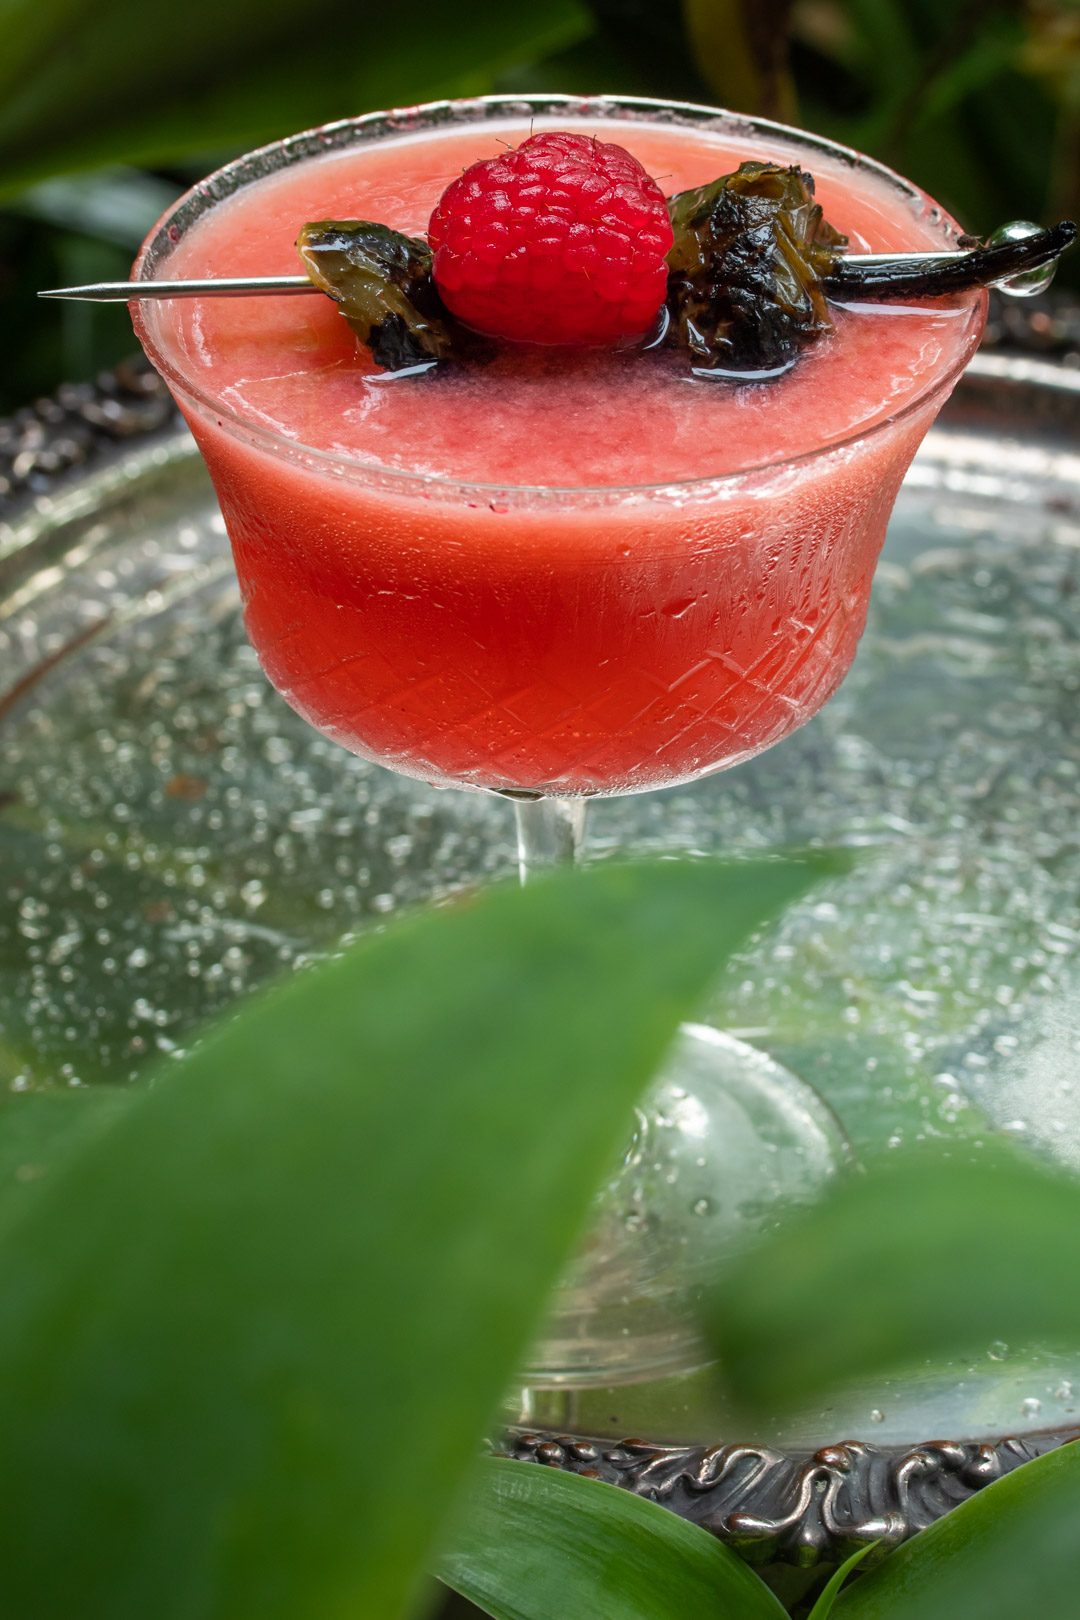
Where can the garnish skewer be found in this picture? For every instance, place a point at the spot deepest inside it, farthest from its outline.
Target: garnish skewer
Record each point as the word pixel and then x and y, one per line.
pixel 1002 257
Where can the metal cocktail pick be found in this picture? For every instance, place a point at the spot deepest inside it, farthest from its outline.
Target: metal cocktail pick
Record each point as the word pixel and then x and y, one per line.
pixel 1025 271
pixel 119 292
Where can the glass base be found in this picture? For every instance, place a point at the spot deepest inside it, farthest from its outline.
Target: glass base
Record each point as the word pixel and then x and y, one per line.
pixel 726 1142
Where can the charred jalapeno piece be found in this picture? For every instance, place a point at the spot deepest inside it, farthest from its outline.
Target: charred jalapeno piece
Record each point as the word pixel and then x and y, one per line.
pixel 382 284
pixel 746 272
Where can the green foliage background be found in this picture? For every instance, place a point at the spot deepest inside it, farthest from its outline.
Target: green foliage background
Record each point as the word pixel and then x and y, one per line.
pixel 108 110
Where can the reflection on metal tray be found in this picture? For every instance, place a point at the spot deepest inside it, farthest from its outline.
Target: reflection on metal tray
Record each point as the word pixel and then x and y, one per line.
pixel 171 835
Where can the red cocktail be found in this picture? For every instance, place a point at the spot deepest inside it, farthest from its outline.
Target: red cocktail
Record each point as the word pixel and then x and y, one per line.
pixel 559 573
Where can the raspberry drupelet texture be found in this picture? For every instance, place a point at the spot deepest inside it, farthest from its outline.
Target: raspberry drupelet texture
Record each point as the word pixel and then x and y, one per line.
pixel 561 240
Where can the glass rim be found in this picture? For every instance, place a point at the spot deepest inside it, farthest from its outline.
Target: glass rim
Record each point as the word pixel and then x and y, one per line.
pixel 346 133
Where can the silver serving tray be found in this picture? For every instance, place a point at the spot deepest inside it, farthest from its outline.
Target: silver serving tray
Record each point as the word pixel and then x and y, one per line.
pixel 172 835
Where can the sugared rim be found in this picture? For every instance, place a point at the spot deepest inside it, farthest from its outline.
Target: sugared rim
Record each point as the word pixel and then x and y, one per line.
pixel 432 115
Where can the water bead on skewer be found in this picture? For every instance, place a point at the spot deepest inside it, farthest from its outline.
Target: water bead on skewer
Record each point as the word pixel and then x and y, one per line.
pixel 1029 282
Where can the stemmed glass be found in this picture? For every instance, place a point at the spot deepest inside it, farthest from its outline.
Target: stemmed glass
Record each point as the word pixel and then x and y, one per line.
pixel 587 641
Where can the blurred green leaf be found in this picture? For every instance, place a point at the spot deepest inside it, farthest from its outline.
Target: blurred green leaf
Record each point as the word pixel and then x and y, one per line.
pixel 1011 1550
pixel 950 95
pixel 83 84
pixel 985 59
pixel 38 1130
pixel 741 47
pixel 533 1544
pixel 826 1601
pixel 114 205
pixel 889 60
pixel 235 1325
pixel 927 1257
pixel 92 335
pixel 646 48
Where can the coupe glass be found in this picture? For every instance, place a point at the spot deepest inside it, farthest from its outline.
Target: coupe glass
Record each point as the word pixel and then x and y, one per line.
pixel 541 677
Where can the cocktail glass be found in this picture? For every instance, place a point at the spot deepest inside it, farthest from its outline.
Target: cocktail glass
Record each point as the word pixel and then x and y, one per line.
pixel 552 644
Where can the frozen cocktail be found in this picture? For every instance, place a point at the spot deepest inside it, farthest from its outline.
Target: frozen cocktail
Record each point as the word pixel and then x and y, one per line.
pixel 567 551
pixel 560 570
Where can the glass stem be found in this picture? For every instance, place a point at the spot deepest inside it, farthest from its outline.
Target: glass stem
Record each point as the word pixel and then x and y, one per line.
pixel 550 832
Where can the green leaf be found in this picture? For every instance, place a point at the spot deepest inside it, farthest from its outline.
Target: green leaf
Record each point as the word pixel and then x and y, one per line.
pixel 37 1131
pixel 741 47
pixel 250 1334
pixel 829 1593
pixel 83 84
pixel 534 1544
pixel 114 205
pixel 1011 1550
pixel 927 1257
pixel 995 49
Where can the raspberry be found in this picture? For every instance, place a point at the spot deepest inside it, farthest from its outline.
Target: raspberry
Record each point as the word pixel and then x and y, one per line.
pixel 561 240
